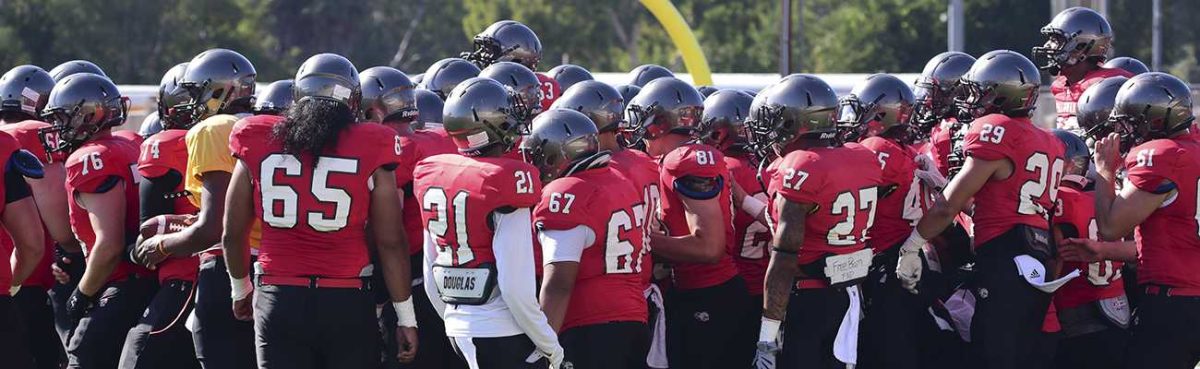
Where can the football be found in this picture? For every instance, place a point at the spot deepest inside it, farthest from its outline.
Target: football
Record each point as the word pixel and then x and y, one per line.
pixel 164 224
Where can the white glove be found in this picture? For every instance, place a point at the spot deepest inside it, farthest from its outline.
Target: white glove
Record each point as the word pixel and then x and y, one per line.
pixel 932 178
pixel 908 266
pixel 555 355
pixel 764 356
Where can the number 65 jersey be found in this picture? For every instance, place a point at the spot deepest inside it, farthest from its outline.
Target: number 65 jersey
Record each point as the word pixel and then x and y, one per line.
pixel 1029 193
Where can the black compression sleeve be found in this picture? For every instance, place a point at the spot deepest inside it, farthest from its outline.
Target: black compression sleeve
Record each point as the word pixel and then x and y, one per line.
pixel 153 194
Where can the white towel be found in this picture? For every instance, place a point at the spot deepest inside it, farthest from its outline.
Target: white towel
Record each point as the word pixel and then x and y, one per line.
pixel 657 357
pixel 961 306
pixel 845 345
pixel 1035 274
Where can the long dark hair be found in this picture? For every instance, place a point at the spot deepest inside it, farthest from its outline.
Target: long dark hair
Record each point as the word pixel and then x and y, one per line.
pixel 313 125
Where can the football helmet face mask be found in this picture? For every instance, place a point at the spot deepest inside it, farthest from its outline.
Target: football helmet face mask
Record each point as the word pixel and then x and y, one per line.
pixel 388 95
pixel 1095 105
pixel 521 80
pixel 934 92
pixel 214 80
pixel 445 74
pixel 429 108
pixel 596 100
pixel 172 94
pixel 665 105
pixel 628 92
pixel 568 75
pixel 881 105
pixel 1075 35
pixel 798 106
pixel 1130 65
pixel 25 90
pixel 275 99
pixel 561 142
pixel 1151 106
pixel 1001 81
pixel 722 125
pixel 481 114
pixel 506 40
pixel 328 77
pixel 75 66
pixel 79 106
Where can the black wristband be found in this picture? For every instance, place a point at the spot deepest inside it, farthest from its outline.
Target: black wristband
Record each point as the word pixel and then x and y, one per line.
pixel 783 251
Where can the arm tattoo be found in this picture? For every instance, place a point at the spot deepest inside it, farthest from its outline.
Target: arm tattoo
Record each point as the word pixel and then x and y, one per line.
pixel 781 273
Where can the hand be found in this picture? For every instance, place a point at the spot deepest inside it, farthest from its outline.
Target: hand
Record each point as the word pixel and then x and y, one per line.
pixel 59 274
pixel 1081 250
pixel 764 356
pixel 555 355
pixel 1108 157
pixel 932 178
pixel 908 269
pixel 147 254
pixel 406 340
pixel 78 305
pixel 243 309
pixel 68 266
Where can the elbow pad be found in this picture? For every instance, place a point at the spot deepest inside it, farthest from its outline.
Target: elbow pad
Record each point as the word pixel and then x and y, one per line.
pixel 25 163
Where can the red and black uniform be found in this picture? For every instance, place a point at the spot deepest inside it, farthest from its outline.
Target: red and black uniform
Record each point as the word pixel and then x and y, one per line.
pixel 160 338
pixel 1090 308
pixel 705 305
pixel 605 323
pixel 1067 96
pixel 1011 218
pixel 642 171
pixel 846 206
pixel 100 166
pixel 551 90
pixel 15 337
pixel 1165 327
pixel 314 302
pixel 752 244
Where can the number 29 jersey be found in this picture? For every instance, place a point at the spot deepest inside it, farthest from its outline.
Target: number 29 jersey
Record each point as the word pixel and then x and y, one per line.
pixel 314 210
pixel 1026 196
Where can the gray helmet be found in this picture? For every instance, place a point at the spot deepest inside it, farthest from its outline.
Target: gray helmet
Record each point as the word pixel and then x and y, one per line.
pixel 798 106
pixel 329 77
pixel 645 73
pixel 506 40
pixel 880 105
pixel 723 124
pixel 934 92
pixel 215 80
pixel 172 94
pixel 707 90
pixel 561 142
pixel 1075 35
pixel 597 100
pixel 568 75
pixel 275 99
pixel 25 89
pixel 79 106
pixel 521 80
pixel 1076 150
pixel 1001 81
pixel 628 92
pixel 417 78
pixel 445 74
pixel 1094 106
pixel 388 95
pixel 665 105
pixel 429 108
pixel 150 125
pixel 482 113
pixel 1130 65
pixel 1151 106
pixel 75 66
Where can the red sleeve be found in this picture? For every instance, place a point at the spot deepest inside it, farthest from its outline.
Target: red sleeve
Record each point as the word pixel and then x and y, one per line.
pixel 408 161
pixel 986 140
pixel 390 149
pixel 1151 165
pixel 565 204
pixel 799 179
pixel 162 153
pixel 516 184
pixel 695 160
pixel 239 137
pixel 88 168
pixel 29 140
pixel 550 90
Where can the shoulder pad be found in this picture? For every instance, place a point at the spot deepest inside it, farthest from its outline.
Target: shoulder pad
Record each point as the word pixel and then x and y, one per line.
pixel 25 163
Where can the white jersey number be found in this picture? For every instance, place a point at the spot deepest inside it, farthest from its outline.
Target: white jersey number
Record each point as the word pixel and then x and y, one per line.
pixel 286 215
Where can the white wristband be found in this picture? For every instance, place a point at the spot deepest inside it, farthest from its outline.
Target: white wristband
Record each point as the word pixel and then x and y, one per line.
pixel 406 316
pixel 753 206
pixel 12 290
pixel 769 330
pixel 914 243
pixel 240 287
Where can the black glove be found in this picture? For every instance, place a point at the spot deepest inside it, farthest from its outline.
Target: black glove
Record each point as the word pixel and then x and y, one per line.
pixel 77 265
pixel 78 305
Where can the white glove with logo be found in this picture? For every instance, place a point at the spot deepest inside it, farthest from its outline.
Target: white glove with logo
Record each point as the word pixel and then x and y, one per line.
pixel 768 344
pixel 555 355
pixel 908 267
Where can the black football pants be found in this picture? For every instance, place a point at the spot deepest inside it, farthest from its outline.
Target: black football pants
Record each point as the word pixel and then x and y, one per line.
pixel 221 341
pixel 892 320
pixel 813 319
pixel 703 325
pixel 43 341
pixel 433 350
pixel 161 339
pixel 97 340
pixel 1006 331
pixel 510 352
pixel 14 348
pixel 615 345
pixel 310 328
pixel 1166 333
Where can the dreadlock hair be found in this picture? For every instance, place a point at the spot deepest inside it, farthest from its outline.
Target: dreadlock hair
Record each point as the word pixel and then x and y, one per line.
pixel 312 125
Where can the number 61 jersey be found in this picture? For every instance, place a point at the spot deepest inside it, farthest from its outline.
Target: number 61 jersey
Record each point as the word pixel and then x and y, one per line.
pixel 314 210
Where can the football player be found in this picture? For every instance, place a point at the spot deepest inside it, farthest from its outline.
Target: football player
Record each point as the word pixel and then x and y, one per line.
pixel 102 185
pixel 934 115
pixel 1131 65
pixel 705 303
pixel 389 98
pixel 314 305
pixel 521 80
pixel 219 85
pixel 25 90
pixel 74 66
pixel 821 215
pixel 589 223
pixel 512 41
pixel 645 73
pixel 1012 170
pixel 19 215
pixel 160 338
pixel 568 75
pixel 471 205
pixel 1078 40
pixel 275 99
pixel 1158 200
pixel 445 74
pixel 429 113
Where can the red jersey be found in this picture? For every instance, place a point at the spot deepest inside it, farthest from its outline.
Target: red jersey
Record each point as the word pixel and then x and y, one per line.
pixel 1168 240
pixel 899 210
pixel 551 90
pixel 163 153
pixel 132 136
pixel 26 134
pixel 1077 210
pixel 608 287
pixel 846 199
pixel 1066 96
pixel 639 169
pixel 941 143
pixel 415 147
pixel 752 237
pixel 89 170
pixel 330 195
pixel 697 160
pixel 1026 196
pixel 8 145
pixel 458 195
